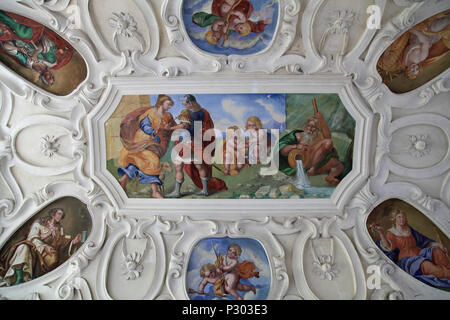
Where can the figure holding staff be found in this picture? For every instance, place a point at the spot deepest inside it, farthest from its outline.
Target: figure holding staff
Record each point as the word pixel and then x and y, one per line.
pixel 314 146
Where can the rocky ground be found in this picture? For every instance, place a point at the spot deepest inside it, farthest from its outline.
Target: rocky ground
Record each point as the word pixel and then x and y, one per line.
pixel 248 184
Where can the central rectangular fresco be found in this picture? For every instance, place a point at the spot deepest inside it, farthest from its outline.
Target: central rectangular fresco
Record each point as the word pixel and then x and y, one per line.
pixel 230 146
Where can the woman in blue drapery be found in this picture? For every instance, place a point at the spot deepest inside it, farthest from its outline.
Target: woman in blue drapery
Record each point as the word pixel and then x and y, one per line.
pixel 421 257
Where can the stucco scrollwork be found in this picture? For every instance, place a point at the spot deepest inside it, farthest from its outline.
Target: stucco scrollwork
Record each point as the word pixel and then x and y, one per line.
pixel 141 248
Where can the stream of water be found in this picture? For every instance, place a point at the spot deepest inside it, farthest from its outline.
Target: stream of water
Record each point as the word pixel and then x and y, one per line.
pixel 302 182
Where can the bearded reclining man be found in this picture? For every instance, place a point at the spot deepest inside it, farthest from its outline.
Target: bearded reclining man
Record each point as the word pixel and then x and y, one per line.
pixel 316 144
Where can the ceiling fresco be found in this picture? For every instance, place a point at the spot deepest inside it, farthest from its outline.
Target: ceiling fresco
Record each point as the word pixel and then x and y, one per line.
pixel 224 149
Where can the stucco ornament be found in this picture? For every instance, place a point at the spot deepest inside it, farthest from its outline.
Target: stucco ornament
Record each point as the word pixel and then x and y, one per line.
pixel 132 268
pixel 49 145
pixel 145 49
pixel 325 268
pixel 323 255
pixel 420 145
pixel 124 25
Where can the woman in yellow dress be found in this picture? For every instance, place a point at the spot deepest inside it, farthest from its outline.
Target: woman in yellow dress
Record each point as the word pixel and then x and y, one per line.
pixel 145 136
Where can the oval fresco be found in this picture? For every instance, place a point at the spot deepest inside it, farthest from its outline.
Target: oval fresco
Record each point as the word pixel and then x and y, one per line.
pixel 412 241
pixel 230 26
pixel 228 269
pixel 45 241
pixel 315 150
pixel 39 55
pixel 418 55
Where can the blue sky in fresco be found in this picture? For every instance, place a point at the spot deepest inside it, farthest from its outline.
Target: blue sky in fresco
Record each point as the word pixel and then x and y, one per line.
pixel 234 109
pixel 251 250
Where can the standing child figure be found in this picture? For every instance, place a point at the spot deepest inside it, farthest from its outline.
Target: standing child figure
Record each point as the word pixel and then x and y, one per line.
pixel 233 271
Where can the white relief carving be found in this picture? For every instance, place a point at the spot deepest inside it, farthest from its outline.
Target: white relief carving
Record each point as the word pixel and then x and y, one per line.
pixel 420 145
pixel 344 20
pixel 323 252
pixel 49 145
pixel 440 85
pixel 334 41
pixel 73 17
pixel 75 288
pixel 292 297
pixel 57 21
pixel 43 194
pixel 6 207
pixel 54 5
pixel 124 25
pixel 325 268
pixel 363 199
pixel 386 293
pixel 407 3
pixel 445 190
pixel 164 297
pixel 5 148
pixel 425 200
pixel 33 296
pixel 132 267
pixel 315 231
pixel 352 204
pixel 135 236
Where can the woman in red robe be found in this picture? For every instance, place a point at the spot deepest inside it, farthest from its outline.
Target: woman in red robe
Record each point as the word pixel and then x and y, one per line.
pixel 416 254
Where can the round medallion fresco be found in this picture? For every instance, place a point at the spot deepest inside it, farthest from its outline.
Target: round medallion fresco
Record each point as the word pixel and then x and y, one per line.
pixel 228 269
pixel 231 26
pixel 45 241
